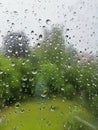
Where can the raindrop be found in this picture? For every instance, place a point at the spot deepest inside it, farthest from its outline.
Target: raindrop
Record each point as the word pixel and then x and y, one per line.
pixel 39 20
pixel 66 36
pixel 16 52
pixel 26 51
pixel 13 23
pixel 38 45
pixel 48 123
pixel 19 37
pixel 43 95
pixel 24 79
pixel 11 36
pixel 10 51
pixel 48 21
pixel 15 12
pixel 74 12
pixel 34 72
pixel 64 125
pixel 17 105
pixel 26 10
pixel 22 110
pixel 23 63
pixel 40 37
pixel 13 64
pixel 20 44
pixel 62 89
pixel 67 29
pixel 8 20
pixel 1 72
pixel 52 108
pixel 32 32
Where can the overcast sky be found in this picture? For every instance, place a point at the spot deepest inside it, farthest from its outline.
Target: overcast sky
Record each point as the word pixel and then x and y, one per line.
pixel 80 16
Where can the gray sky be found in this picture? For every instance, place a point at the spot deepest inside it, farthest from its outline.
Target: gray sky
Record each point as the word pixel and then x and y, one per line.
pixel 80 16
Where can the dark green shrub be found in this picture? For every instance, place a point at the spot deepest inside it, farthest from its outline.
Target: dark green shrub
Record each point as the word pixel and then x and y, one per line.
pixel 92 105
pixel 88 80
pixel 25 67
pixel 69 91
pixel 49 77
pixel 9 80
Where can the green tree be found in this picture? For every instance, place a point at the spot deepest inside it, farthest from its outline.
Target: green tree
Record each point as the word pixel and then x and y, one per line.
pixel 49 79
pixel 9 80
pixel 25 67
pixel 16 44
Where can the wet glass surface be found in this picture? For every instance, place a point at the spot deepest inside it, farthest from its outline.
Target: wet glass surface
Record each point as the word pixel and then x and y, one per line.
pixel 48 65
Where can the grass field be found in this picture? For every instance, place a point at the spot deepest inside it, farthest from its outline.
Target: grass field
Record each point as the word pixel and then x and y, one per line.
pixel 50 114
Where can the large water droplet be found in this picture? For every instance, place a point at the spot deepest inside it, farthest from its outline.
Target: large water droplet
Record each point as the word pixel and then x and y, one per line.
pixel 52 108
pixel 17 105
pixel 34 72
pixel 40 37
pixel 1 72
pixel 24 79
pixel 19 37
pixel 20 44
pixel 48 21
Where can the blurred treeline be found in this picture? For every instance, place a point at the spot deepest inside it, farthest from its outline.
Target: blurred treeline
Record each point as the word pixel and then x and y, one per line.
pixel 51 67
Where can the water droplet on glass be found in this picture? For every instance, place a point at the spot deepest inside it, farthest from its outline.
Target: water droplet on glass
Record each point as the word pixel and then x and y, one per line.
pixel 22 110
pixel 19 37
pixel 20 44
pixel 62 89
pixel 52 108
pixel 13 23
pixel 48 21
pixel 38 45
pixel 43 95
pixel 34 72
pixel 16 52
pixel 8 20
pixel 40 37
pixel 17 105
pixel 15 12
pixel 13 64
pixel 1 72
pixel 32 32
pixel 24 79
pixel 39 20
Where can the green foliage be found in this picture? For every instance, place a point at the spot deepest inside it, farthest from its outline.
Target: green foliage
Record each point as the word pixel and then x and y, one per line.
pixel 49 76
pixel 16 44
pixel 16 79
pixel 9 80
pixel 88 79
pixel 94 105
pixel 69 91
pixel 71 74
pixel 51 68
pixel 24 66
pixel 54 50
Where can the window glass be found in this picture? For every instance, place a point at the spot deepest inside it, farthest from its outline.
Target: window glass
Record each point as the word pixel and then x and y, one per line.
pixel 48 65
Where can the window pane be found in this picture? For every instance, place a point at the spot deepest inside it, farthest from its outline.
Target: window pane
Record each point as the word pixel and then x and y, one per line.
pixel 48 65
